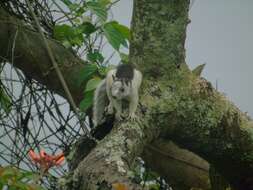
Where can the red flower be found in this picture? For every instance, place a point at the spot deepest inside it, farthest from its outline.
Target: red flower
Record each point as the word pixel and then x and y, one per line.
pixel 45 160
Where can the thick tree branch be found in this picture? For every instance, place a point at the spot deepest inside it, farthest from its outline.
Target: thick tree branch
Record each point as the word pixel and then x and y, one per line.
pixel 176 104
pixel 31 57
pixel 109 163
pixel 181 168
pixel 36 64
pixel 206 123
pixel 187 108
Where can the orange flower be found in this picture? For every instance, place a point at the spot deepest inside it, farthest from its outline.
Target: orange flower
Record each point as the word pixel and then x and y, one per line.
pixel 45 160
pixel 119 186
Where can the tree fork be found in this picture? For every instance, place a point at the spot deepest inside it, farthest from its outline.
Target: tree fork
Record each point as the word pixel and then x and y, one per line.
pixel 178 105
pixel 189 110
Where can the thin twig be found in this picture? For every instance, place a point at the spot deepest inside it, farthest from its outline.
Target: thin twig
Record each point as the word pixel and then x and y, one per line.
pixel 58 71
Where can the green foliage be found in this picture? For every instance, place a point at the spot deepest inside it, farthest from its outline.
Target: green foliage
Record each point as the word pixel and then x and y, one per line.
pixel 116 34
pixel 87 28
pixel 87 22
pixel 86 73
pixel 104 69
pixel 123 30
pixel 124 57
pixel 73 36
pixel 95 56
pixel 62 32
pixel 154 187
pixel 16 179
pixel 5 101
pixel 92 84
pixel 150 175
pixel 89 92
pixel 98 9
pixel 87 101
pixel 67 2
pixel 79 34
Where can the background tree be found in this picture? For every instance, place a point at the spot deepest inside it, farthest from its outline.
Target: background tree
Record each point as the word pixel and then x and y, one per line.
pixel 176 104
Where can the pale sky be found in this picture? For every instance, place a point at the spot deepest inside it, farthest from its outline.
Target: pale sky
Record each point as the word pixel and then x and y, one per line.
pixel 220 34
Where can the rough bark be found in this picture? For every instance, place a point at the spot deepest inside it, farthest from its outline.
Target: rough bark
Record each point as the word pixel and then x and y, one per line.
pixel 109 163
pixel 176 104
pixel 181 168
pixel 186 107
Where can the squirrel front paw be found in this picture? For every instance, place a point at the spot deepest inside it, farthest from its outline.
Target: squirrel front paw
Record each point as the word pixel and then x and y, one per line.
pixel 132 117
pixel 118 117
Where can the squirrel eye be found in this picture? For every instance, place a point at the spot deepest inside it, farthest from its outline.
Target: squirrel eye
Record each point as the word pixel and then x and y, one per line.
pixel 122 89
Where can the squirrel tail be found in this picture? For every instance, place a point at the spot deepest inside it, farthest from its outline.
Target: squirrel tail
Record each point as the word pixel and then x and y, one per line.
pixel 100 102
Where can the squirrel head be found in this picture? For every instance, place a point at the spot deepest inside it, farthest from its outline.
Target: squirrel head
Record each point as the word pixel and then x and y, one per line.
pixel 121 88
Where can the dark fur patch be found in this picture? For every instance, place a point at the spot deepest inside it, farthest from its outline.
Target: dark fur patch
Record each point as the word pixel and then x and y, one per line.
pixel 125 72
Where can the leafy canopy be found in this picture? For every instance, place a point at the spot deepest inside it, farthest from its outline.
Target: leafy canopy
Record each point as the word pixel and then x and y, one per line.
pixel 86 28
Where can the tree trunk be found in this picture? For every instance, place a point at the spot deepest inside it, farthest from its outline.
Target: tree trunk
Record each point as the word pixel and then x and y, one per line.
pixel 185 107
pixel 175 104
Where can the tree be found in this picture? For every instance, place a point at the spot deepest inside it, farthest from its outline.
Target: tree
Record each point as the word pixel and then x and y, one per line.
pixel 176 103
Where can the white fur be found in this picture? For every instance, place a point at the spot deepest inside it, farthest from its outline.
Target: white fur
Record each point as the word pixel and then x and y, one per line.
pixel 100 101
pixel 110 89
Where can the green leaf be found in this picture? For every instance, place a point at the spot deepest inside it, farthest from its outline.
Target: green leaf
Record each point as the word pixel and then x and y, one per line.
pixel 104 69
pixel 87 28
pixel 88 94
pixel 150 175
pixel 20 186
pixel 27 175
pixel 154 187
pixel 17 179
pixel 198 70
pixel 5 101
pixel 80 11
pixel 98 9
pixel 66 2
pixel 69 35
pixel 95 56
pixel 124 57
pixel 63 32
pixel 73 6
pixel 86 73
pixel 76 41
pixel 104 2
pixel 70 5
pixel 87 101
pixel 124 30
pixel 115 36
pixel 92 84
pixel 9 172
pixel 66 44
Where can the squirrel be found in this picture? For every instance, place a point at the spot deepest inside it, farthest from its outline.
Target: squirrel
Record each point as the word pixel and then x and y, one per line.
pixel 120 84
